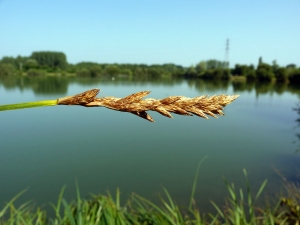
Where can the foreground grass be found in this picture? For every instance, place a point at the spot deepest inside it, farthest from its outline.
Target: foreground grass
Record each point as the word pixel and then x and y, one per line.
pixel 107 209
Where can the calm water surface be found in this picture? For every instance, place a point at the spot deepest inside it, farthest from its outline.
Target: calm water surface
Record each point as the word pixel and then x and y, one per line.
pixel 43 149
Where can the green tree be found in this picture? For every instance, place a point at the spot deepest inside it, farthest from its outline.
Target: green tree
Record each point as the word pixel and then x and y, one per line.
pixel 275 66
pixel 31 64
pixel 20 61
pixel 127 72
pixel 47 59
pixel 71 68
pixel 200 68
pixel 295 76
pixel 214 64
pixel 112 70
pixel 83 72
pixel 292 66
pixel 264 72
pixel 95 71
pixel 225 74
pixel 6 69
pixel 251 74
pixel 239 70
pixel 260 61
pixel 10 60
pixel 281 74
pixel 153 72
pixel 244 70
pixel 138 71
pixel 191 71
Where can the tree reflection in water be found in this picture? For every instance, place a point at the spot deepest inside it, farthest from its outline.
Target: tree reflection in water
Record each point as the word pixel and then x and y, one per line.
pixel 297 109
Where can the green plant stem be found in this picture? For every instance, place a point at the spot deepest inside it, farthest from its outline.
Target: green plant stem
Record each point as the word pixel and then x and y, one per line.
pixel 25 105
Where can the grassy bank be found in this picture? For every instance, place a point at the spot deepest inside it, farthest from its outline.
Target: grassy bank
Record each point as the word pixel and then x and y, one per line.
pixel 240 208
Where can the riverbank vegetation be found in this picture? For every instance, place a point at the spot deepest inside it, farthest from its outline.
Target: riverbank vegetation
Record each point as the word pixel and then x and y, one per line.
pixel 55 63
pixel 240 207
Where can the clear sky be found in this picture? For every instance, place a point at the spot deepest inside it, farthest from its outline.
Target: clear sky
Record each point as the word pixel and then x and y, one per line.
pixel 183 32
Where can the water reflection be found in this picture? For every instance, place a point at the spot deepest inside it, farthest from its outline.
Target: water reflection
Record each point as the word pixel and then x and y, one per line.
pixel 297 109
pixel 39 85
pixel 209 85
pixel 59 85
pixel 243 86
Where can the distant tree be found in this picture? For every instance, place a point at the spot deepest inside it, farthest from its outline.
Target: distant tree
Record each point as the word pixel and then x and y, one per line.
pixel 214 64
pixel 244 70
pixel 260 61
pixel 153 72
pixel 50 59
pixel 292 66
pixel 180 71
pixel 30 64
pixel 200 68
pixel 138 71
pixel 251 74
pixel 191 72
pixel 95 71
pixel 275 66
pixel 127 72
pixel 239 70
pixel 71 68
pixel 83 72
pixel 20 62
pixel 87 65
pixel 10 60
pixel 218 73
pixel 225 74
pixel 6 69
pixel 209 74
pixel 264 72
pixel 281 74
pixel 112 70
pixel 295 76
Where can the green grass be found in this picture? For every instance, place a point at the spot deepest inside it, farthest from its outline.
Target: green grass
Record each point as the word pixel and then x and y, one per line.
pixel 240 208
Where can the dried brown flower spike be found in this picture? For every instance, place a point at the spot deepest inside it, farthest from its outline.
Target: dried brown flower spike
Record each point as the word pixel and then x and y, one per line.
pixel 134 103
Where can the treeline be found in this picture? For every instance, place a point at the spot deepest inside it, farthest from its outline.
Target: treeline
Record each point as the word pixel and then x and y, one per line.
pixel 45 62
pixel 264 72
pixel 41 63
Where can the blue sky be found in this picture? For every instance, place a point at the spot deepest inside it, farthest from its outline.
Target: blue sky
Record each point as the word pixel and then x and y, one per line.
pixel 153 31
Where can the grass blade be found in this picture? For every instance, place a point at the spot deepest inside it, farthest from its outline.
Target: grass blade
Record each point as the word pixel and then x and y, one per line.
pixel 68 212
pixel 195 182
pixel 2 212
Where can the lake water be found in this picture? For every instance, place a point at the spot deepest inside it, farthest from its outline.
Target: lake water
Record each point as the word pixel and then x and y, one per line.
pixel 43 149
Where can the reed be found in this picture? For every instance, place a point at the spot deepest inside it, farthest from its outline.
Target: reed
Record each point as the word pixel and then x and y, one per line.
pixel 202 106
pixel 241 209
pixel 107 209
